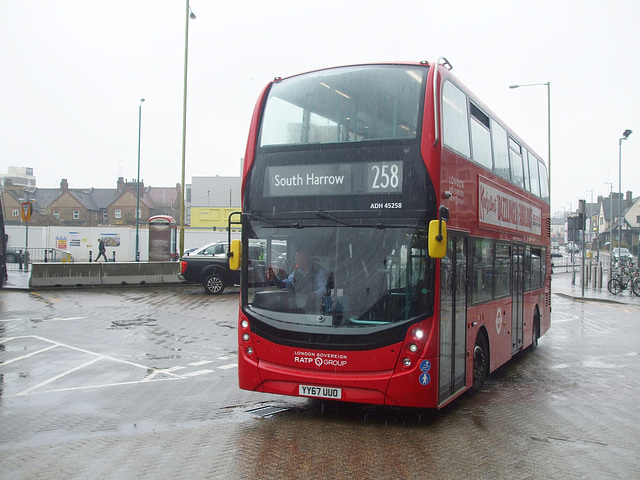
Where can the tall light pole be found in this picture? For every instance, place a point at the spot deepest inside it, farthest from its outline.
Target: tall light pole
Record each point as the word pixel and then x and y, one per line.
pixel 189 14
pixel 590 229
pixel 548 84
pixel 138 182
pixel 625 136
pixel 610 227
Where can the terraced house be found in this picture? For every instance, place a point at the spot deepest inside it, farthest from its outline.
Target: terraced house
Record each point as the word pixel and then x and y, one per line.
pixel 89 207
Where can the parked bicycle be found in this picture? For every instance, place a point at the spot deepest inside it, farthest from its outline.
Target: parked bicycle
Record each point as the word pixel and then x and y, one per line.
pixel 627 277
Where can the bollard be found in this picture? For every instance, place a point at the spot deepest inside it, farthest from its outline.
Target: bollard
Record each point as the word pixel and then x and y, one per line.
pixel 600 274
pixel 90 256
pixel 114 256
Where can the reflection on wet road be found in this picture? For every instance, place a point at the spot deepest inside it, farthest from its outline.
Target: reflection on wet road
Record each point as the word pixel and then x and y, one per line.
pixel 142 382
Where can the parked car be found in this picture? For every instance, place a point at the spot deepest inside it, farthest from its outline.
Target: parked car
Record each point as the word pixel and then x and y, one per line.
pixel 572 247
pixel 209 266
pixel 12 255
pixel 622 253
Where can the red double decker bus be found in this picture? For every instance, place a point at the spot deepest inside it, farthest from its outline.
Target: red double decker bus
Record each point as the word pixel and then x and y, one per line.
pixel 405 237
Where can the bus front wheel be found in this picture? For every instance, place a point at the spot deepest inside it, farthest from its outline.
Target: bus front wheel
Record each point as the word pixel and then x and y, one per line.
pixel 480 362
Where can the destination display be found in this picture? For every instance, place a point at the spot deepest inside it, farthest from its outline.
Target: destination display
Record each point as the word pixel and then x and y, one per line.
pixel 499 208
pixel 334 179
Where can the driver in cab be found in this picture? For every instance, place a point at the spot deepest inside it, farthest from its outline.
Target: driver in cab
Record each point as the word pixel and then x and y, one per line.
pixel 308 278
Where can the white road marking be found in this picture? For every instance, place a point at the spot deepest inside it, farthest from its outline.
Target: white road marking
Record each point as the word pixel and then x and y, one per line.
pixel 170 369
pixel 198 372
pixel 29 355
pixel 226 367
pixel 57 377
pixel 152 376
pixel 57 319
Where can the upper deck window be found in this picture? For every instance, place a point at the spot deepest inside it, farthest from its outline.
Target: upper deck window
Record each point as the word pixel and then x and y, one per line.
pixel 481 137
pixel 500 151
pixel 343 105
pixel 544 182
pixel 515 155
pixel 533 174
pixel 455 119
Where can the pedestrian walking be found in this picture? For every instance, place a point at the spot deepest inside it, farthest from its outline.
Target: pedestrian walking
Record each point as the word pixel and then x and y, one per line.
pixel 102 250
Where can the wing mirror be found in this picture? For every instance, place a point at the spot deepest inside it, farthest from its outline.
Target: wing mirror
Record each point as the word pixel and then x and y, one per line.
pixel 438 234
pixel 235 255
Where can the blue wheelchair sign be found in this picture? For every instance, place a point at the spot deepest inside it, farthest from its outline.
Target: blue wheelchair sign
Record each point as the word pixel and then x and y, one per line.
pixel 425 366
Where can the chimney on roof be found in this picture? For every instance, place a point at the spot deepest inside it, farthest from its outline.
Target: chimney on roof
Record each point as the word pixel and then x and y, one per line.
pixel 629 199
pixel 120 185
pixel 64 185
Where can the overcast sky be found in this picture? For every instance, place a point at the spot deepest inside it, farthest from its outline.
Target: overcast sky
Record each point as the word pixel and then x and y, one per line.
pixel 72 73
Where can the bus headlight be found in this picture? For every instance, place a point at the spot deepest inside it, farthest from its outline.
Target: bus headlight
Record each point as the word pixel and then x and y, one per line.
pixel 249 351
pixel 413 348
pixel 245 337
pixel 245 324
pixel 406 362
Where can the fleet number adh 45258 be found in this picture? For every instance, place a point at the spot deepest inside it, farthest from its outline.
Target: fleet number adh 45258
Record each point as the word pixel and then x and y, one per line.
pixel 319 392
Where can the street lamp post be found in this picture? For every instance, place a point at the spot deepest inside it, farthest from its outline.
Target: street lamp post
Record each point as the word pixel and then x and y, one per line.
pixel 138 183
pixel 548 84
pixel 610 227
pixel 590 229
pixel 189 14
pixel 625 136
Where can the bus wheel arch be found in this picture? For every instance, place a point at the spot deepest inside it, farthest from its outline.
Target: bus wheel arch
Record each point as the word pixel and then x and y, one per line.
pixel 481 361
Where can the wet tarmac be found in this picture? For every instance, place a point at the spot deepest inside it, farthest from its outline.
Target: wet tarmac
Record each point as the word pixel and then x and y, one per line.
pixel 141 382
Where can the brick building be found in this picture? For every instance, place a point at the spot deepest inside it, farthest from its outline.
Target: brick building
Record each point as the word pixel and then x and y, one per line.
pixel 91 207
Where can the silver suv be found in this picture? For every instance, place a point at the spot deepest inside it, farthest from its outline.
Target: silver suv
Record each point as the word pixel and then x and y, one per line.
pixel 622 253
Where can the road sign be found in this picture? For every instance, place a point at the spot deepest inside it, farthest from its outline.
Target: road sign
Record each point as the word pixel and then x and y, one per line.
pixel 27 210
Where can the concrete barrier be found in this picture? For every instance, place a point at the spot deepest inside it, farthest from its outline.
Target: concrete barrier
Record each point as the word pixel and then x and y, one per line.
pixel 106 273
pixel 64 274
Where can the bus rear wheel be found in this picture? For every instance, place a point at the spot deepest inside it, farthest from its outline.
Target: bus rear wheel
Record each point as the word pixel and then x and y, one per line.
pixel 536 330
pixel 480 362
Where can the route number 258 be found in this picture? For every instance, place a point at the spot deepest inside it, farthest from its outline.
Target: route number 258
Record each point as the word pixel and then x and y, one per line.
pixel 385 176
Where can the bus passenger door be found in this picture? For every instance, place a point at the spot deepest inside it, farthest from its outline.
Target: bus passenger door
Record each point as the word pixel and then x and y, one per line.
pixel 453 316
pixel 517 299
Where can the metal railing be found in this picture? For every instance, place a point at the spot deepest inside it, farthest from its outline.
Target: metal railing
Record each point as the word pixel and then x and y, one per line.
pixel 564 263
pixel 19 258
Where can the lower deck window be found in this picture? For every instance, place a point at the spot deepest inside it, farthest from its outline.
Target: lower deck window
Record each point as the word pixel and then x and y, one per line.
pixel 491 269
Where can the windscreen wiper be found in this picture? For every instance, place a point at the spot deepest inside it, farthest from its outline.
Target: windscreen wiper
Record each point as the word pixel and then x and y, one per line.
pixel 328 216
pixel 382 226
pixel 255 216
